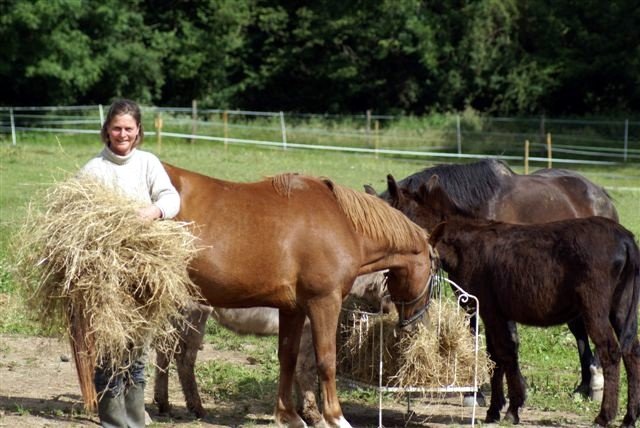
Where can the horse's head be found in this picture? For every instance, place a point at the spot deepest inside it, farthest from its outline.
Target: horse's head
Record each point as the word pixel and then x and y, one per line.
pixel 409 286
pixel 428 206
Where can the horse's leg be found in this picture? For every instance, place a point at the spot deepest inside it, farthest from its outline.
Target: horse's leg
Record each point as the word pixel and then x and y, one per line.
pixel 631 358
pixel 625 324
pixel 587 360
pixel 306 379
pixel 191 342
pixel 497 389
pixel 288 346
pixel 602 334
pixel 515 380
pixel 161 383
pixel 190 339
pixel 324 314
pixel 504 345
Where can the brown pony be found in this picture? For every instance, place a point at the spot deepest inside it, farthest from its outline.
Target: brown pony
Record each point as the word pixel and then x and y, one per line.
pixel 547 274
pixel 297 243
pixel 490 190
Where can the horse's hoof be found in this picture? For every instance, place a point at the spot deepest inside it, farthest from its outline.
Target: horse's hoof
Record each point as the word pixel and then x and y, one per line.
pixel 197 411
pixel 512 418
pixel 163 409
pixel 468 401
pixel 343 423
pixel 627 422
pixel 599 423
pixel 320 423
pixel 582 391
pixel 492 417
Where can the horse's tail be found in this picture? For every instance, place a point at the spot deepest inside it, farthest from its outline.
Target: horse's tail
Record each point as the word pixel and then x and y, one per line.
pixel 630 278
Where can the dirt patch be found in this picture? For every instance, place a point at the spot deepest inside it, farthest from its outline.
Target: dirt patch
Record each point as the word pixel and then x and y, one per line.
pixel 38 388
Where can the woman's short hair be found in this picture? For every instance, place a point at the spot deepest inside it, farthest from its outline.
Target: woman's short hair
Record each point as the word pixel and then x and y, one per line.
pixel 119 107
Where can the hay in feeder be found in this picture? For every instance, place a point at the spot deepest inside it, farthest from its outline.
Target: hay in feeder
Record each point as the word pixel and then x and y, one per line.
pixel 439 354
pixel 92 268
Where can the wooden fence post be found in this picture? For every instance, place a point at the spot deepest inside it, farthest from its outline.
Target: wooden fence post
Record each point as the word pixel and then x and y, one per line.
pixel 158 125
pixel 526 157
pixel 284 131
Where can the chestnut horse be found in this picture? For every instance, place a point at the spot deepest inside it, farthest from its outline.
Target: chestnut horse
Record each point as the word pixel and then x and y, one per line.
pixel 490 190
pixel 547 274
pixel 368 290
pixel 297 243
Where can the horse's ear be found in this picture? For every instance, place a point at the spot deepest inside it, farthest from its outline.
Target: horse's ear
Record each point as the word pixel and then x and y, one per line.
pixel 425 189
pixel 370 190
pixel 439 197
pixel 434 181
pixel 392 186
pixel 436 233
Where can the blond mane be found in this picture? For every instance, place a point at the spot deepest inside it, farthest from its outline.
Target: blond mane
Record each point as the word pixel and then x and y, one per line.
pixel 374 218
pixel 370 215
pixel 284 183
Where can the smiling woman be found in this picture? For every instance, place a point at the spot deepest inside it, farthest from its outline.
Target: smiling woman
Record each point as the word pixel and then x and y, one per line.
pixel 139 176
pixel 123 134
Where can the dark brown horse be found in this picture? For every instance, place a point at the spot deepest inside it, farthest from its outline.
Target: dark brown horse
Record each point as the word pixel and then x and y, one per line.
pixel 490 190
pixel 297 243
pixel 548 274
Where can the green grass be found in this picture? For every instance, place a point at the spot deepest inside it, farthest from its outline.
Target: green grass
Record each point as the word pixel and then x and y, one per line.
pixel 549 359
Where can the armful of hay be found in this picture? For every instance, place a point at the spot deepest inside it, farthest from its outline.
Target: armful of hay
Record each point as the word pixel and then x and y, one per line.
pixel 89 264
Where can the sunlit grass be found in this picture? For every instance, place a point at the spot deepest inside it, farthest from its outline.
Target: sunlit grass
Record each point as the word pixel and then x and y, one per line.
pixel 548 357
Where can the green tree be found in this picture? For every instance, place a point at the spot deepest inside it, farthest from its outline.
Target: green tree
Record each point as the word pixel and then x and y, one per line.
pixel 200 43
pixel 332 56
pixel 46 56
pixel 129 51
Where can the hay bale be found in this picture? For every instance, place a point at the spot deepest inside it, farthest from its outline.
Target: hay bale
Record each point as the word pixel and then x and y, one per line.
pixel 92 268
pixel 439 354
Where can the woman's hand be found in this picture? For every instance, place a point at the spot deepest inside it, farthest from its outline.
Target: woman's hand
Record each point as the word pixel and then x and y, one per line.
pixel 150 212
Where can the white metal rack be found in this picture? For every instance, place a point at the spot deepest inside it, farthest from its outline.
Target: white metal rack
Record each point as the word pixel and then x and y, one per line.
pixel 464 300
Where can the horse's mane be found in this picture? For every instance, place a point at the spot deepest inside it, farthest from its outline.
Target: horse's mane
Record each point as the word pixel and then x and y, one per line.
pixel 470 185
pixel 374 218
pixel 283 183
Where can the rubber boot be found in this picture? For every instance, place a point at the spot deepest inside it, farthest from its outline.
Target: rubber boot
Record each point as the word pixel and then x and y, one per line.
pixel 112 411
pixel 134 406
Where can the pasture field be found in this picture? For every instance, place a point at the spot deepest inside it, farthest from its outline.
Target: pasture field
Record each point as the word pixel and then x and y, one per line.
pixel 548 357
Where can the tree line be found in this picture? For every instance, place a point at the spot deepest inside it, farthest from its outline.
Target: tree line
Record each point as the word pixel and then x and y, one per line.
pixel 327 56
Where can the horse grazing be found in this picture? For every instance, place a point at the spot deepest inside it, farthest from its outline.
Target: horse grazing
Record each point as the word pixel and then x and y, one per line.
pixel 544 275
pixel 297 243
pixel 490 190
pixel 367 289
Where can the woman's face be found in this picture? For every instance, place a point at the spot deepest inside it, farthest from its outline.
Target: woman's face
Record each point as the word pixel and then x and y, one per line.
pixel 123 133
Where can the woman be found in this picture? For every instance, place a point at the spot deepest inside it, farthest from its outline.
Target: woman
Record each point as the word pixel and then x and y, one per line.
pixel 141 176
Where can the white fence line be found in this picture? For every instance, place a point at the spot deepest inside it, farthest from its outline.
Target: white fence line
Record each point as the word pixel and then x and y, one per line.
pixel 24 119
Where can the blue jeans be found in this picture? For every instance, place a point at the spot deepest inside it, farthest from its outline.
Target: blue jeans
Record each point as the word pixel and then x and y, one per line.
pixel 113 386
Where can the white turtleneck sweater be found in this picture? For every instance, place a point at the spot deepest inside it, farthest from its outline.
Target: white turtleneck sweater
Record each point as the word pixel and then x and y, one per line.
pixel 139 175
